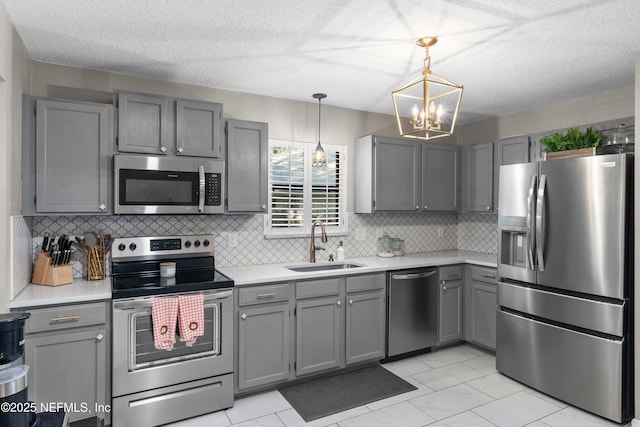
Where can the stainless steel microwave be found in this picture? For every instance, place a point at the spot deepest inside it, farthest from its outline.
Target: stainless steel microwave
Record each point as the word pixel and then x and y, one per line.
pixel 167 185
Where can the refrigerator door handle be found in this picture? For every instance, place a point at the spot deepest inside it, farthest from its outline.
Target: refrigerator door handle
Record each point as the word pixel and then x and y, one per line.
pixel 531 238
pixel 540 221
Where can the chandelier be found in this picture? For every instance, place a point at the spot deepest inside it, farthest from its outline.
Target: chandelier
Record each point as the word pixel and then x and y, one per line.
pixel 427 106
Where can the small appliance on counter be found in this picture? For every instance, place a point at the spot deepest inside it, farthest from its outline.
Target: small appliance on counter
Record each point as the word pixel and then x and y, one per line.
pixel 13 372
pixel 388 246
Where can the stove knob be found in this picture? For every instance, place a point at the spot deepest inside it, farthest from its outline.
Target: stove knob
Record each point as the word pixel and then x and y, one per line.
pixel 122 247
pixel 206 243
pixel 187 244
pixel 196 243
pixel 132 246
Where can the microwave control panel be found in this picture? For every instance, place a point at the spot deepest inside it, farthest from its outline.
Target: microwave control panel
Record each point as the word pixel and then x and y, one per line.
pixel 213 189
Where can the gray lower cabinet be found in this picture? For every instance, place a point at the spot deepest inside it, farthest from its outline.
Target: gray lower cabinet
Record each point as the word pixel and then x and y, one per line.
pixel 450 308
pixel 478 180
pixel 247 168
pixel 263 345
pixel 365 318
pixel 66 157
pixel 263 325
pixel 67 349
pixel 483 303
pixel 318 335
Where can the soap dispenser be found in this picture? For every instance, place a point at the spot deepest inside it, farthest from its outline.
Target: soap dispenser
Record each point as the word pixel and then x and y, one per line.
pixel 340 253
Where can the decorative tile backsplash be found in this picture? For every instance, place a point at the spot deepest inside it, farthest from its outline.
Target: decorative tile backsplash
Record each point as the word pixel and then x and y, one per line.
pixel 421 233
pixel 21 251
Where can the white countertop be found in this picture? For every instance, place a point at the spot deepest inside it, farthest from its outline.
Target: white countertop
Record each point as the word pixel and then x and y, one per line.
pixel 80 290
pixel 85 291
pixel 266 273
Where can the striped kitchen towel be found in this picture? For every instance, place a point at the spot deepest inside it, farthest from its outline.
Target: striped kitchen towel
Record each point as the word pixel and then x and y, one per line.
pixel 190 318
pixel 164 313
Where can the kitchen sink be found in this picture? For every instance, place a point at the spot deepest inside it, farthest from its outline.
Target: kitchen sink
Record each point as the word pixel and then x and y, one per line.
pixel 323 267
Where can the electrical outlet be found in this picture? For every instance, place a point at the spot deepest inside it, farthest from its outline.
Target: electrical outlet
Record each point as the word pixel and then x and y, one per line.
pixel 440 232
pixel 232 240
pixel 361 234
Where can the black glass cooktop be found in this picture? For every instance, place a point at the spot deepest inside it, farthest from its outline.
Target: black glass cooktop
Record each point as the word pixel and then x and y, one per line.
pixel 150 283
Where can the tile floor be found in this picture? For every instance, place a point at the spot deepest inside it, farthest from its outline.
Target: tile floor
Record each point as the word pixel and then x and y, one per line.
pixel 457 386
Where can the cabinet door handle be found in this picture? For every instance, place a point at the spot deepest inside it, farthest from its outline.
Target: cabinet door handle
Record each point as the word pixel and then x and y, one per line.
pixel 65 318
pixel 244 316
pixel 425 207
pixel 263 207
pixel 99 338
pixel 490 276
pixel 180 149
pixel 163 149
pixel 266 296
pixel 488 208
pixel 417 208
pixel 339 303
pixel 102 207
pixel 350 302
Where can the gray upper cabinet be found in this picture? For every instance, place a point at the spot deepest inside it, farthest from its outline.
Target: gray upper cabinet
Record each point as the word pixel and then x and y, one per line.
pixel 66 157
pixel 247 156
pixel 152 124
pixel 509 151
pixel 144 124
pixel 440 177
pixel 400 175
pixel 478 194
pixel 198 130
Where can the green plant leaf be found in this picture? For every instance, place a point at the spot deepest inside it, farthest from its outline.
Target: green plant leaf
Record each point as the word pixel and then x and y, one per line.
pixel 574 139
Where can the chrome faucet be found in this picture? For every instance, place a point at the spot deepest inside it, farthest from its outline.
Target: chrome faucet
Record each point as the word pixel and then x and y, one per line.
pixel 312 247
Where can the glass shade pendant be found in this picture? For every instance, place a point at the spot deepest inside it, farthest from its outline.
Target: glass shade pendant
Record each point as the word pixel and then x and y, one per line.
pixel 319 157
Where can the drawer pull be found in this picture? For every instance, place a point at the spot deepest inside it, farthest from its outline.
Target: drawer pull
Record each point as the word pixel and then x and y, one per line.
pixel 350 302
pixel 65 318
pixel 244 316
pixel 266 296
pixel 99 338
pixel 490 276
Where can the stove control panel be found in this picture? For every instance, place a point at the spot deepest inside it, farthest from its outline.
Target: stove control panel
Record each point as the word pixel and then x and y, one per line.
pixel 164 246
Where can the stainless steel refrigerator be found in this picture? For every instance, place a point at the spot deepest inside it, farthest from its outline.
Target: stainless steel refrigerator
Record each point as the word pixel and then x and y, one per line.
pixel 565 261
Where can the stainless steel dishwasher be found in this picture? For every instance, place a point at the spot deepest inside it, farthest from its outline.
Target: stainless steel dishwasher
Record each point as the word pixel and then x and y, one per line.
pixel 412 310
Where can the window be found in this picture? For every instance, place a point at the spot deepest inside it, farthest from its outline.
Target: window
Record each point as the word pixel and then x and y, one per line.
pixel 300 195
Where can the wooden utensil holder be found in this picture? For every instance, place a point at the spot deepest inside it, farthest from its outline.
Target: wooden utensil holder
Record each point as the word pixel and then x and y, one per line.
pixel 46 274
pixel 96 262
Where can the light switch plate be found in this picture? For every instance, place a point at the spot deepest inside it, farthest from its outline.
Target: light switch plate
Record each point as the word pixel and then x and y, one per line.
pixel 361 234
pixel 440 232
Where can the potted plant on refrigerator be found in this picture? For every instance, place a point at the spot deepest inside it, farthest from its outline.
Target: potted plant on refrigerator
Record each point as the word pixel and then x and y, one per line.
pixel 574 143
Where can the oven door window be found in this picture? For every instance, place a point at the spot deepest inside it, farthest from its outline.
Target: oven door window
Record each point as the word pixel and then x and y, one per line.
pixel 158 188
pixel 144 354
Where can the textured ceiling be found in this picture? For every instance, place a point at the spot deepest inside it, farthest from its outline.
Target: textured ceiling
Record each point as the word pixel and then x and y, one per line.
pixel 510 55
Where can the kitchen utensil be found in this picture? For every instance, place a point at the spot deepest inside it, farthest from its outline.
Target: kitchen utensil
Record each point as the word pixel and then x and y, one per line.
pixel 90 239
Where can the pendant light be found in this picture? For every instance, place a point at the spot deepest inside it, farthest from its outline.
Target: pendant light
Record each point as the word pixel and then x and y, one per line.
pixel 319 159
pixel 427 106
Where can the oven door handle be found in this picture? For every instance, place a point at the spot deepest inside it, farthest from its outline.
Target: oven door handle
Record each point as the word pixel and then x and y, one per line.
pixel 201 182
pixel 146 302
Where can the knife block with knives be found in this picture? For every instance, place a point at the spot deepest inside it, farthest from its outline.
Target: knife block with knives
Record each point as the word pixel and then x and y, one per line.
pixel 52 266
